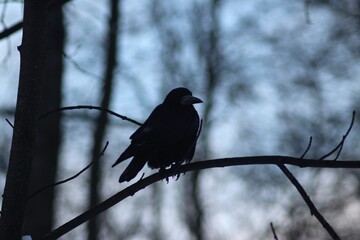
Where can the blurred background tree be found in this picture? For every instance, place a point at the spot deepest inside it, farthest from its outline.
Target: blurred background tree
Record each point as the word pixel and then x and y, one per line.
pixel 271 74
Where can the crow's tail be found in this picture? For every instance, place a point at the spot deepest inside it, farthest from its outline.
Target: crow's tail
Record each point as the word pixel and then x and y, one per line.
pixel 136 164
pixel 128 153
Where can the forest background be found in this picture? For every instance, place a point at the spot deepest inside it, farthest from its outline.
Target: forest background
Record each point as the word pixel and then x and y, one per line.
pixel 271 74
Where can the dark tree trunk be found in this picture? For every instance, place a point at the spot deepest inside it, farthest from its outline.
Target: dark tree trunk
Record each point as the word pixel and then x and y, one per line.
pixel 101 122
pixel 40 210
pixel 32 52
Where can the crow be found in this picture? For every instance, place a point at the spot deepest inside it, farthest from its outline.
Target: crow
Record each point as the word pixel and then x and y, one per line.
pixel 167 137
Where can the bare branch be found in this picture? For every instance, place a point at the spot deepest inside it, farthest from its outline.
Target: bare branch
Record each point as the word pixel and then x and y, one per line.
pixel 11 125
pixel 80 68
pixel 305 196
pixel 90 107
pixel 216 163
pixel 340 149
pixel 68 179
pixel 341 143
pixel 17 26
pixel 307 149
pixel 273 231
pixel 8 31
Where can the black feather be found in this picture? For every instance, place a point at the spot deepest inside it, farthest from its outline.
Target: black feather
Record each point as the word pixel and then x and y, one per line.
pixel 167 137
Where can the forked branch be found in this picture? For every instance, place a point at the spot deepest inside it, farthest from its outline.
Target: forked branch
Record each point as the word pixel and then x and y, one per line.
pixel 341 143
pixel 216 163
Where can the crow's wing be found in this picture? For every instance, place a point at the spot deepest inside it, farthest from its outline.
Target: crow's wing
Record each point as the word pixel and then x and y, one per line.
pixel 146 131
pixel 164 127
pixel 144 134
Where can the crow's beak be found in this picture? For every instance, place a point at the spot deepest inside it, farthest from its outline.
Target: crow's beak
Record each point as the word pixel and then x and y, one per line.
pixel 188 100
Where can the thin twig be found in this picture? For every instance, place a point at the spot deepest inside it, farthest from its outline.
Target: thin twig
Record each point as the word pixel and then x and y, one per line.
pixel 307 149
pixel 80 68
pixel 197 136
pixel 200 128
pixel 305 196
pixel 341 143
pixel 340 149
pixel 11 125
pixel 70 178
pixel 90 107
pixel 273 231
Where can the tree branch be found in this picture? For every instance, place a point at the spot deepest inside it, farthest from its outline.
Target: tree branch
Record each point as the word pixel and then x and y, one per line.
pixel 70 178
pixel 273 231
pixel 17 26
pixel 305 196
pixel 215 163
pixel 341 143
pixel 8 31
pixel 122 117
pixel 307 149
pixel 11 125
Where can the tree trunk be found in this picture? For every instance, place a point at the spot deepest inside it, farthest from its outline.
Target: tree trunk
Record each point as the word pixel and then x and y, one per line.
pixel 101 122
pixel 40 210
pixel 32 52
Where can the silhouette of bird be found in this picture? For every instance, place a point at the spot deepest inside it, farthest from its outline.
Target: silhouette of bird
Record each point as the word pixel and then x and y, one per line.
pixel 167 137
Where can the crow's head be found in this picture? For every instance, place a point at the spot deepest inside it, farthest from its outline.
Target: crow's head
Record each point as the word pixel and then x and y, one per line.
pixel 181 96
